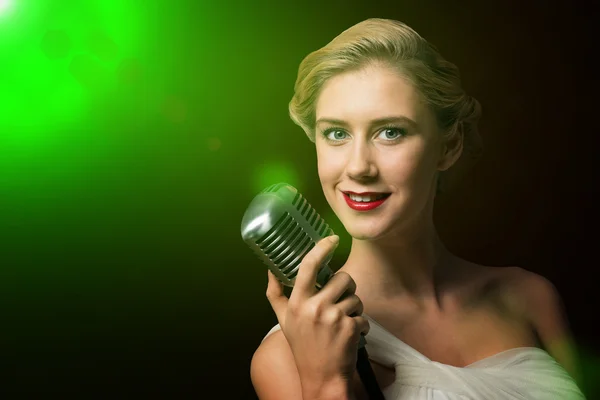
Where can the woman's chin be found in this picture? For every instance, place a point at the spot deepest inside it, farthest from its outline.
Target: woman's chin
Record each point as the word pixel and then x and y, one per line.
pixel 370 233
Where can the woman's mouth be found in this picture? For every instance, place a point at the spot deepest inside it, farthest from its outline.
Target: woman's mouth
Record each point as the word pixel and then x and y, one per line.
pixel 365 202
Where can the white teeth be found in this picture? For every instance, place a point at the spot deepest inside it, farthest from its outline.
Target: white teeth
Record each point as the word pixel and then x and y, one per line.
pixel 366 199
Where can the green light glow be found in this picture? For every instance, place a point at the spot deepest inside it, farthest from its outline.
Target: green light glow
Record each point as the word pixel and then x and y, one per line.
pixel 275 172
pixel 5 5
pixel 115 91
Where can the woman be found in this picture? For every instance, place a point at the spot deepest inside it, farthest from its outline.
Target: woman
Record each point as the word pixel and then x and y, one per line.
pixel 390 121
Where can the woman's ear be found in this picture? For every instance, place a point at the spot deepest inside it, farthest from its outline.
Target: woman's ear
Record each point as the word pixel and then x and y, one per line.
pixel 452 147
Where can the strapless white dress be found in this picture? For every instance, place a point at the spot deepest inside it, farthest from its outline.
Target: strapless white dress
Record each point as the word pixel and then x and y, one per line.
pixel 525 373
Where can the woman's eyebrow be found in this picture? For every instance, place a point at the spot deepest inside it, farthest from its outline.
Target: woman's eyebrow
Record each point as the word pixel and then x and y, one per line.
pixel 378 121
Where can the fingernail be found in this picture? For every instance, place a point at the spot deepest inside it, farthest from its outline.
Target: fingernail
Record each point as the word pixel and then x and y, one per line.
pixel 335 239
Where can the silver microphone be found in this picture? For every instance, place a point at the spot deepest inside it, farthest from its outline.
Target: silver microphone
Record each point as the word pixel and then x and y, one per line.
pixel 282 227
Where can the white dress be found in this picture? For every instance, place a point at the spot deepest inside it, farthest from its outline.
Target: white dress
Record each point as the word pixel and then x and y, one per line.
pixel 524 373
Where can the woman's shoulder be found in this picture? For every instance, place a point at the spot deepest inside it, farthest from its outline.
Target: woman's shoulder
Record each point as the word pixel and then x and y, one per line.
pixel 540 303
pixel 517 283
pixel 521 292
pixel 535 299
pixel 273 370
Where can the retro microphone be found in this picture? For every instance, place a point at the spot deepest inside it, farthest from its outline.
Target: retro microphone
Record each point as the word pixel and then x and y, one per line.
pixel 282 227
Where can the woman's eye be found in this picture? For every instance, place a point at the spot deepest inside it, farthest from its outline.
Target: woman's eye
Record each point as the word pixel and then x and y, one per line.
pixel 392 133
pixel 336 134
pixel 386 133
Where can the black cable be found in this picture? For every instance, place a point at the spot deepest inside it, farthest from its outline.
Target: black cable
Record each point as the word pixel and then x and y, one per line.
pixel 367 376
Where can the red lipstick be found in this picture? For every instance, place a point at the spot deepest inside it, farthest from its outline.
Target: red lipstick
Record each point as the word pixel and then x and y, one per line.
pixel 364 206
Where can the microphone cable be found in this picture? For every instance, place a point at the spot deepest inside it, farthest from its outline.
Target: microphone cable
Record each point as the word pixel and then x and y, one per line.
pixel 367 376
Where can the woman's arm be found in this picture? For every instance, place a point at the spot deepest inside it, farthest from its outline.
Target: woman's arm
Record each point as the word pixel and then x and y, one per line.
pixel 275 377
pixel 546 312
pixel 273 371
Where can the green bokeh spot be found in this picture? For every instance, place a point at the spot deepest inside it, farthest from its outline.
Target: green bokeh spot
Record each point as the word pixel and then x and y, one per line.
pixel 275 172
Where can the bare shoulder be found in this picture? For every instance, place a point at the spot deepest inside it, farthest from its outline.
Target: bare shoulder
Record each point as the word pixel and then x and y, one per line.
pixel 534 292
pixel 541 302
pixel 538 300
pixel 521 291
pixel 523 277
pixel 273 370
pixel 274 374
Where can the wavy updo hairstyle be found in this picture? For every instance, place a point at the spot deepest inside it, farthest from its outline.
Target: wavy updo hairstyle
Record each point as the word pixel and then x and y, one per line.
pixel 393 43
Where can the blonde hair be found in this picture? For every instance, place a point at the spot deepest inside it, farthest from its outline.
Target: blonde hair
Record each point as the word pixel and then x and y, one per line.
pixel 393 43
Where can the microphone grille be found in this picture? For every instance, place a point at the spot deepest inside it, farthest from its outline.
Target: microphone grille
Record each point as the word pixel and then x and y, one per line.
pixel 312 217
pixel 281 227
pixel 286 244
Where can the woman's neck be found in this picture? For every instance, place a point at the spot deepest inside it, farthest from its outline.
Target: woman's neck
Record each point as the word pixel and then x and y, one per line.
pixel 416 265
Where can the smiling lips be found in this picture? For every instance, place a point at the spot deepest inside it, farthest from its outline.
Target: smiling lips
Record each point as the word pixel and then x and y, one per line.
pixel 365 201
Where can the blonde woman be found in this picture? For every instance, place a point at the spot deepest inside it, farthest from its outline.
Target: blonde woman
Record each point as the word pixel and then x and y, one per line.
pixel 392 126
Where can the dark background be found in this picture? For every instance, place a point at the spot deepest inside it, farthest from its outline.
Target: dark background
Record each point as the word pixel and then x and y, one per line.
pixel 156 294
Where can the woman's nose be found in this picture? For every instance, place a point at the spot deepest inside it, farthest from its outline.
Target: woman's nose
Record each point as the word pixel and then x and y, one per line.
pixel 360 164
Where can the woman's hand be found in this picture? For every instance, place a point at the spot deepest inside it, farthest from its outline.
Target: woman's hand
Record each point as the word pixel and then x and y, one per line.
pixel 322 327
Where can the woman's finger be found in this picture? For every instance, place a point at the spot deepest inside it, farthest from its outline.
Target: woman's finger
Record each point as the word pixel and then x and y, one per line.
pixel 340 286
pixel 304 285
pixel 351 305
pixel 362 324
pixel 277 297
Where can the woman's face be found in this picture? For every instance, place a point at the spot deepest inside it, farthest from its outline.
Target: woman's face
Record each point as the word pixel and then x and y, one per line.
pixel 375 134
